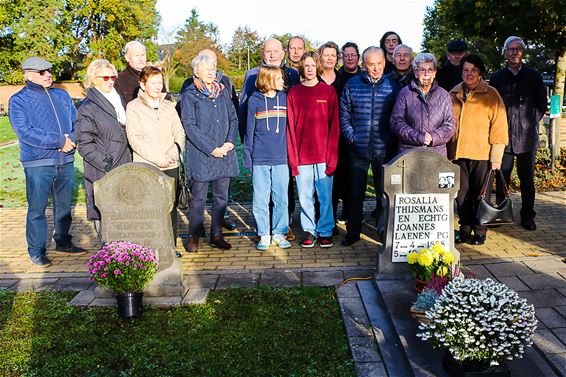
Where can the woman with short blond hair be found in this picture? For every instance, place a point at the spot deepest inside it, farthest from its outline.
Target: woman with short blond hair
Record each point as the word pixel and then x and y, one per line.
pixel 100 131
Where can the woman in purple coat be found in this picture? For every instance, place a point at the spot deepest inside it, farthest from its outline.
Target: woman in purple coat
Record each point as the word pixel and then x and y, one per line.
pixel 423 116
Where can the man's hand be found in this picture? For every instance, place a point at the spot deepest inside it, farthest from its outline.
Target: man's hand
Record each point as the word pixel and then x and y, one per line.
pixel 496 165
pixel 69 145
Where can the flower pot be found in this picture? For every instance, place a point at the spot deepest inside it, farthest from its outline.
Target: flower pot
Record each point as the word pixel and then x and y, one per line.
pixel 130 304
pixel 420 285
pixel 456 368
pixel 419 315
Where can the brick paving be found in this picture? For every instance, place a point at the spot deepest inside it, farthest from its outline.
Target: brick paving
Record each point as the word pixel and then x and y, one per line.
pixel 529 262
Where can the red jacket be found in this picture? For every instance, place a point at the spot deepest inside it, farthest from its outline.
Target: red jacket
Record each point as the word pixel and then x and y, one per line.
pixel 314 127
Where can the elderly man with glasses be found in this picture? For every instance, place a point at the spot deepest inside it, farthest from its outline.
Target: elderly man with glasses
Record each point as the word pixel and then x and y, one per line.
pixel 43 118
pixel 524 95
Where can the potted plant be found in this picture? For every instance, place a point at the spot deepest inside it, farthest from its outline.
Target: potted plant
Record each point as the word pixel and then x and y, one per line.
pixel 126 268
pixel 425 301
pixel 483 323
pixel 429 262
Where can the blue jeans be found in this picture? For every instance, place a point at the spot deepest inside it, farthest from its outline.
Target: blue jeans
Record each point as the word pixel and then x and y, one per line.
pixel 41 181
pixel 312 178
pixel 270 180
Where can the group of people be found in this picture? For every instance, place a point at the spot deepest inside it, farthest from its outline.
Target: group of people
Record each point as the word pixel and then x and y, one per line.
pixel 298 117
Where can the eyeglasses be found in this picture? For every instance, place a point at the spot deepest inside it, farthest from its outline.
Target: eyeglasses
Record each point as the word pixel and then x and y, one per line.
pixel 350 56
pixel 514 50
pixel 423 71
pixel 106 78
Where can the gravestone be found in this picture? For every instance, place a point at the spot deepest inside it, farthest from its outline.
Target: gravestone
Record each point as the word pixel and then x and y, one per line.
pixel 421 187
pixel 135 201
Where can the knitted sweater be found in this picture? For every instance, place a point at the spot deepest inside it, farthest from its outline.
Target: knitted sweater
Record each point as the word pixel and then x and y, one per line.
pixel 314 128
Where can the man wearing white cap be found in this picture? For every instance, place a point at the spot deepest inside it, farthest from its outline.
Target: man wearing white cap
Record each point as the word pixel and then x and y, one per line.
pixel 524 95
pixel 43 118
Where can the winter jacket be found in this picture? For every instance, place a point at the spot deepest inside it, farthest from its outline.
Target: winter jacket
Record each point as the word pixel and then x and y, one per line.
pixel 221 78
pixel 128 83
pixel 481 124
pixel 403 79
pixel 448 76
pixel 40 118
pixel 153 132
pixel 365 109
pixel 101 141
pixel 414 115
pixel 290 76
pixel 524 96
pixel 209 123
pixel 265 142
pixel 314 127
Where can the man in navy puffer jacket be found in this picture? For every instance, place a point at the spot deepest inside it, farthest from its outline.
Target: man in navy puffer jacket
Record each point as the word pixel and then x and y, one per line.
pixel 43 118
pixel 365 107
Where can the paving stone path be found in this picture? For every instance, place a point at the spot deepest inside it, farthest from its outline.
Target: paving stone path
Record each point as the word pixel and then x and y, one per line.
pixel 529 262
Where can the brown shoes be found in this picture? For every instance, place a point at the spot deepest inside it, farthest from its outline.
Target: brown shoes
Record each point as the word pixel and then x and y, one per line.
pixel 219 242
pixel 193 245
pixel 290 236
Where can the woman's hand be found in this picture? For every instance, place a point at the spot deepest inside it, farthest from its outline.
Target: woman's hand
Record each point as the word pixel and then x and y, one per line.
pixel 496 165
pixel 219 152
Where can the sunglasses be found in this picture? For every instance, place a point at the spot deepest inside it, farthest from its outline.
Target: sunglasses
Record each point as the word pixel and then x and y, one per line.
pixel 106 78
pixel 42 72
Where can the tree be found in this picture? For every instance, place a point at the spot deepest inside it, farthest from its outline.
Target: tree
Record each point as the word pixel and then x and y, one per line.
pixel 538 22
pixel 71 33
pixel 245 44
pixel 195 36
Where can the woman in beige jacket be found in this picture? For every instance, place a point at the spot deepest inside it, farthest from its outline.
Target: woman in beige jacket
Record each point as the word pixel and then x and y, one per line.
pixel 153 127
pixel 478 145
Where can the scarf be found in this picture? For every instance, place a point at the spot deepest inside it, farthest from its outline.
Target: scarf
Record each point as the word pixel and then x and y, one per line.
pixel 116 101
pixel 217 87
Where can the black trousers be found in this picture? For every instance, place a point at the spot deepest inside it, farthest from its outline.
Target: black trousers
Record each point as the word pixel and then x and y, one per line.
pixel 472 175
pixel 174 173
pixel 341 184
pixel 358 183
pixel 526 173
pixel 219 201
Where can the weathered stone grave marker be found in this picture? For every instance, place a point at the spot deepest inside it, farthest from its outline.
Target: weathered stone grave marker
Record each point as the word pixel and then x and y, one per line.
pixel 421 186
pixel 135 201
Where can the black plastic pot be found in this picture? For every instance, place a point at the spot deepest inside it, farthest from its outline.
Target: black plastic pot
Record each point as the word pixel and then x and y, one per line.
pixel 456 368
pixel 130 304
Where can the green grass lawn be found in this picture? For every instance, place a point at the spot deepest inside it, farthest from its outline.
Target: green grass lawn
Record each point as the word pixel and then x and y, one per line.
pixel 6 132
pixel 238 332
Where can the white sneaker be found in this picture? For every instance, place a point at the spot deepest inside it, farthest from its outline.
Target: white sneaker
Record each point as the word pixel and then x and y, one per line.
pixel 281 241
pixel 264 242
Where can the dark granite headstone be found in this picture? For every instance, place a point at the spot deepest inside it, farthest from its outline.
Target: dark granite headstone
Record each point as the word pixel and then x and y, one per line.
pixel 420 186
pixel 135 201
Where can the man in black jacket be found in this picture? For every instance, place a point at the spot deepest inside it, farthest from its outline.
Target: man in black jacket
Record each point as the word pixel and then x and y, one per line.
pixel 127 84
pixel 524 95
pixel 449 75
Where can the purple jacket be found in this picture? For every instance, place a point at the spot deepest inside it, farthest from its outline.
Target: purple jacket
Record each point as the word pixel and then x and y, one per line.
pixel 414 115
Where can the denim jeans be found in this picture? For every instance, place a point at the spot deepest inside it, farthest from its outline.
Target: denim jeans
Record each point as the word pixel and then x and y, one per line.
pixel 270 181
pixel 312 178
pixel 41 181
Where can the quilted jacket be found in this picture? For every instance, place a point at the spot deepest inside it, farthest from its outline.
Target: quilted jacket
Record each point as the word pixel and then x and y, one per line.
pixel 414 115
pixel 365 109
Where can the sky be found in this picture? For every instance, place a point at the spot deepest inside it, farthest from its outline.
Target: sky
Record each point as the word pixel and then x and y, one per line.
pixel 360 21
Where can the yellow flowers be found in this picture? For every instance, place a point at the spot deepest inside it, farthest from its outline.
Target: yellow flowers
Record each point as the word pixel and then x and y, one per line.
pixel 428 261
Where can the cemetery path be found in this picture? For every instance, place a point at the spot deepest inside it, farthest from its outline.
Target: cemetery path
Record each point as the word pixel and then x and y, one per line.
pixel 532 263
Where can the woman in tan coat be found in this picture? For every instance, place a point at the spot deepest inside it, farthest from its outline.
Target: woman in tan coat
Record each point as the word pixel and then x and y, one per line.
pixel 479 142
pixel 153 127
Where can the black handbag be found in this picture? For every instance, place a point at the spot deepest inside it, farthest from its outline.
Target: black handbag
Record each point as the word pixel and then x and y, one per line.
pixel 494 214
pixel 184 194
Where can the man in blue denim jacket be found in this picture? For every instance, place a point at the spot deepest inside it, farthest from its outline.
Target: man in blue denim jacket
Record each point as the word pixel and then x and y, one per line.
pixel 43 118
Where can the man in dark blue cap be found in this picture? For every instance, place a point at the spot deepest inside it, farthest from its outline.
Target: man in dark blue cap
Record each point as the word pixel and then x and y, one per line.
pixel 449 75
pixel 43 118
